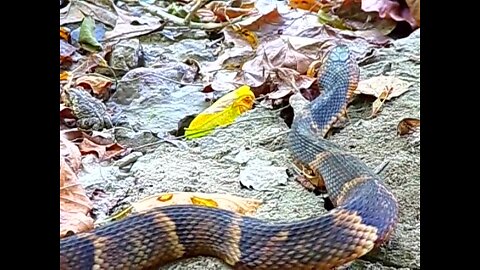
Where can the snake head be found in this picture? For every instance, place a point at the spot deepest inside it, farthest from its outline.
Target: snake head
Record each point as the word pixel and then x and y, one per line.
pixel 339 53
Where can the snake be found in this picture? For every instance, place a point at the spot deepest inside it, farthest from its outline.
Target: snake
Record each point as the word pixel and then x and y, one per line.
pixel 364 216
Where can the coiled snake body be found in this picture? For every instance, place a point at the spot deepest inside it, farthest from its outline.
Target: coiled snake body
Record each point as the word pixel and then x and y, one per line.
pixel 364 216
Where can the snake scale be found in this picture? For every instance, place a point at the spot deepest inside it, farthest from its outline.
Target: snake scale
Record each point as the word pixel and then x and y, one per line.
pixel 364 217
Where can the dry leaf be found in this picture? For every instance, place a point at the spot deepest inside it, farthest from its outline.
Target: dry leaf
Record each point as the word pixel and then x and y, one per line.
pixel 100 85
pixel 128 26
pixel 376 86
pixel 407 126
pixel 248 36
pixel 243 206
pixel 414 6
pixel 65 33
pixel 223 12
pixel 65 75
pixel 76 10
pixel 74 203
pixel 389 9
pixel 103 152
pixel 66 51
pixel 70 152
pixel 221 113
pixel 310 5
pixel 267 14
pixel 382 97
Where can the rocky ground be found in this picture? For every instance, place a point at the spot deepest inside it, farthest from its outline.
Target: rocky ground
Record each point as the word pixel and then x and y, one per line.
pixel 256 146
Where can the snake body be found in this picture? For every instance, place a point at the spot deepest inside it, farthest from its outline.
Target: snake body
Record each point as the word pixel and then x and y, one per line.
pixel 364 216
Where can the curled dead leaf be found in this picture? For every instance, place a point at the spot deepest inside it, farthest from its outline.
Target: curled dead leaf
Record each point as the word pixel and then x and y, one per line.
pixel 103 152
pixel 75 205
pixel 407 126
pixel 70 152
pixel 99 84
pixel 65 75
pixel 376 86
pixel 65 33
pixel 310 5
pixel 378 103
pixel 66 52
pixel 414 6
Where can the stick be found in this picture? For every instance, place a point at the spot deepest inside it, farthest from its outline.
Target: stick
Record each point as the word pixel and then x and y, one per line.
pixel 179 21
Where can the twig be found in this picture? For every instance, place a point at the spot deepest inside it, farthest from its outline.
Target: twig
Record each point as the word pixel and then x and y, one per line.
pixel 381 167
pixel 195 8
pixel 163 78
pixel 193 25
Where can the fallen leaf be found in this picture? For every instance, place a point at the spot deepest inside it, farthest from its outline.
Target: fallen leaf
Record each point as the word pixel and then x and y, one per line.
pixel 414 6
pixel 75 10
pixel 75 206
pixel 103 152
pixel 389 9
pixel 66 51
pixel 223 112
pixel 66 112
pixel 70 152
pixel 243 206
pixel 309 5
pixel 65 33
pixel 378 103
pixel 224 12
pixel 332 20
pixel 99 137
pixel 87 37
pixel 65 75
pixel 407 126
pixel 248 36
pixel 100 85
pixel 267 13
pixel 376 86
pixel 128 26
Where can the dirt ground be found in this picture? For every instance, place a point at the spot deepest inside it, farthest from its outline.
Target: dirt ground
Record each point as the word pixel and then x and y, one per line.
pixel 216 163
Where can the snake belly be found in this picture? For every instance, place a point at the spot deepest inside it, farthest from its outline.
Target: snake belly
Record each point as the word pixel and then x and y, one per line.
pixel 364 216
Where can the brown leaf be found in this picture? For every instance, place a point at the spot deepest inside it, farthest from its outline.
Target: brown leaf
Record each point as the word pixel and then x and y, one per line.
pixel 100 138
pixel 282 54
pixel 382 97
pixel 376 86
pixel 99 85
pixel 103 152
pixel 414 6
pixel 267 13
pixel 70 152
pixel 407 126
pixel 66 112
pixel 223 12
pixel 65 33
pixel 243 206
pixel 66 51
pixel 310 5
pixel 65 75
pixel 389 9
pixel 128 26
pixel 74 13
pixel 74 203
